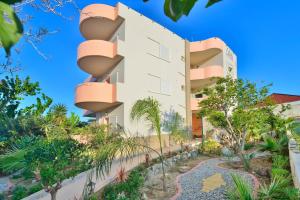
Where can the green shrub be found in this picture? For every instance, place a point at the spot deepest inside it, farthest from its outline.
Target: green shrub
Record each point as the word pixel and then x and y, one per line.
pixel 279 161
pixel 279 172
pixel 35 188
pixel 2 197
pixel 292 193
pixel 210 146
pixel 269 144
pixel 248 146
pixel 19 193
pixel 17 176
pixel 275 190
pixel 246 159
pixel 27 174
pixel 128 190
pixel 241 189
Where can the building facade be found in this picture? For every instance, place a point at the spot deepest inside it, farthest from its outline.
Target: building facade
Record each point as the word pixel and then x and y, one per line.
pixel 129 57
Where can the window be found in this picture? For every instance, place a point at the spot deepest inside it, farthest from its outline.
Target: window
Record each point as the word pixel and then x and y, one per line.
pixel 166 87
pixel 198 96
pixel 154 83
pixel 164 52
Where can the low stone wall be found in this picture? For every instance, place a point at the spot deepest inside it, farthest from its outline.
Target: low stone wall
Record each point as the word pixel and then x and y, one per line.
pixel 294 155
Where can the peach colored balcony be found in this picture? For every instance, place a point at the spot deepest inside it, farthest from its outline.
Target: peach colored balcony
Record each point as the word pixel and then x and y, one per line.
pixel 95 96
pixel 96 57
pixel 203 76
pixel 204 50
pixel 99 21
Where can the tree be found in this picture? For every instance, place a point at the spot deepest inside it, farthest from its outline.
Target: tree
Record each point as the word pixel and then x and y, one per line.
pixel 237 107
pixel 175 9
pixel 149 110
pixel 13 91
pixel 54 161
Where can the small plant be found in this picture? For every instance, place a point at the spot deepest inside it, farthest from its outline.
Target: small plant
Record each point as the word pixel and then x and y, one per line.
pixel 210 146
pixel 275 190
pixel 121 175
pixel 248 146
pixel 2 197
pixel 279 161
pixel 246 159
pixel 34 189
pixel 19 193
pixel 292 193
pixel 280 173
pixel 130 189
pixel 270 144
pixel 241 190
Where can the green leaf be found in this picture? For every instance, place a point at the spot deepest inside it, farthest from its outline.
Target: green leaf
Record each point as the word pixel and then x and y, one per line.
pixel 11 1
pixel 174 9
pixel 188 6
pixel 211 2
pixel 11 28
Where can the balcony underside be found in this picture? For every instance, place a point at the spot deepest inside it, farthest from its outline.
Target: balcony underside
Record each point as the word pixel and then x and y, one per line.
pixel 202 56
pixel 99 21
pixel 204 50
pixel 98 65
pixel 197 85
pixel 97 57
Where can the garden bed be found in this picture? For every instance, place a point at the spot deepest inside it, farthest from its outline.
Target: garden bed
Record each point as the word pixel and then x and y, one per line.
pixel 260 167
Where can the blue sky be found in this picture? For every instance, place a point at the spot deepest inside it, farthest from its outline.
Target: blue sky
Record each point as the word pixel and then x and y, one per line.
pixel 265 36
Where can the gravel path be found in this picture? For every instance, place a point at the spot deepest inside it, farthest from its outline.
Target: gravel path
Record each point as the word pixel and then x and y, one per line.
pixel 190 184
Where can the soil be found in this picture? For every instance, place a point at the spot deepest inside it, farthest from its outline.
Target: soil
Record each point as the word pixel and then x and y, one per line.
pixel 260 167
pixel 153 187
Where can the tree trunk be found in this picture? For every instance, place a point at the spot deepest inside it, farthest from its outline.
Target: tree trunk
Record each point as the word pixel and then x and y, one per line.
pixel 162 162
pixel 53 194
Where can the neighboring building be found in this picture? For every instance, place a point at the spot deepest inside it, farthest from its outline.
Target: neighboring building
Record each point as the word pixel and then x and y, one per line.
pixel 287 99
pixel 130 57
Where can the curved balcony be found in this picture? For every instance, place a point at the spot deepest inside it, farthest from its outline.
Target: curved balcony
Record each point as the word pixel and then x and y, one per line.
pixel 96 57
pixel 95 96
pixel 99 21
pixel 204 76
pixel 204 50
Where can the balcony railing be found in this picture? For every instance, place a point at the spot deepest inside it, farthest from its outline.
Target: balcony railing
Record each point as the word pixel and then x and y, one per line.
pixel 96 96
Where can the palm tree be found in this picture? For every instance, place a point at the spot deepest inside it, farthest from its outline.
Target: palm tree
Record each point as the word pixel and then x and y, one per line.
pixel 58 113
pixel 149 110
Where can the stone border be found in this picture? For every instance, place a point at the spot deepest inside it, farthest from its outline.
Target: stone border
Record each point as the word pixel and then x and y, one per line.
pixel 179 188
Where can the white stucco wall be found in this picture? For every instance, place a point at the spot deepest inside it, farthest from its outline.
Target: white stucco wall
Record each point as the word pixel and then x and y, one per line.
pixel 148 70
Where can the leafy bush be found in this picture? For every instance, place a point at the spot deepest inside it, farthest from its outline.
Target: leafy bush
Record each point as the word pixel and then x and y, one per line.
pixel 211 146
pixel 2 197
pixel 275 190
pixel 34 189
pixel 19 193
pixel 292 193
pixel 12 161
pixel 128 190
pixel 279 161
pixel 248 146
pixel 280 173
pixel 246 159
pixel 241 189
pixel 270 144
